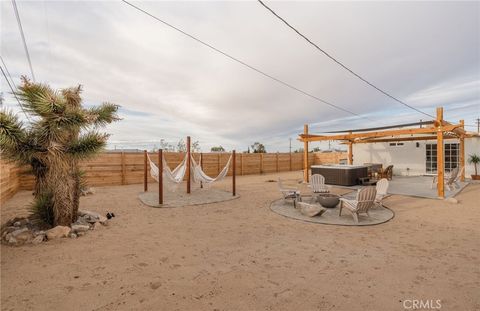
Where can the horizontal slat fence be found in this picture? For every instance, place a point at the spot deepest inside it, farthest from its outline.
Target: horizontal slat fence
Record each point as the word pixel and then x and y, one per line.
pixel 119 168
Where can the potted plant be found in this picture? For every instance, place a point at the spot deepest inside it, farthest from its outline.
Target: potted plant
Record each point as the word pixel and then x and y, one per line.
pixel 474 159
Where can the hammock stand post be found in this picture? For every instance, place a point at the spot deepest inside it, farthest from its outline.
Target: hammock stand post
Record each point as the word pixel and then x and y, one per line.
pixel 145 177
pixel 234 172
pixel 201 166
pixel 188 164
pixel 160 176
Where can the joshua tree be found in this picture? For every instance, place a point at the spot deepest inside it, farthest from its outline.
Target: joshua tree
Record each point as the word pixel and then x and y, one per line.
pixel 474 159
pixel 62 132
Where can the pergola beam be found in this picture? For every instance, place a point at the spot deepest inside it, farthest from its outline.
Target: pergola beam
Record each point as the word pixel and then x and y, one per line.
pixel 400 139
pixel 424 130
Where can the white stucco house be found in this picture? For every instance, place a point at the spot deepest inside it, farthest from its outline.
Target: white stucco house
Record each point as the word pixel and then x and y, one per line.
pixel 414 158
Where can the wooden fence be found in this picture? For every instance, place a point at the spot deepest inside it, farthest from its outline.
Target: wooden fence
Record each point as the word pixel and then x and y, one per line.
pixel 119 168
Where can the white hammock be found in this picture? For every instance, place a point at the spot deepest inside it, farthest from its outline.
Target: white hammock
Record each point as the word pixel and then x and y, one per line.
pixel 200 176
pixel 175 176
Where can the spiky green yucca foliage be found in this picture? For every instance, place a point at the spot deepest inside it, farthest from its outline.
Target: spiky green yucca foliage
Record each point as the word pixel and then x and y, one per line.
pixel 61 134
pixel 42 209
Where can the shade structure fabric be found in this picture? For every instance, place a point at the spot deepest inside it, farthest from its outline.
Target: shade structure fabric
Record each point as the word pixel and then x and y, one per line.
pixel 199 175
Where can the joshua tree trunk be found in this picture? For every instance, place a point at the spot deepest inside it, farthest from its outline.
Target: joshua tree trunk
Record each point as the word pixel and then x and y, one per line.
pixel 61 184
pixel 76 178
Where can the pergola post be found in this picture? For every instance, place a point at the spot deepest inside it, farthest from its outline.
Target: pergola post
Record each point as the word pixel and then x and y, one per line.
pixel 350 151
pixel 305 154
pixel 462 153
pixel 440 154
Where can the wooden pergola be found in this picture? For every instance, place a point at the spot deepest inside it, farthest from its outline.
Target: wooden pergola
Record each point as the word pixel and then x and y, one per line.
pixel 437 129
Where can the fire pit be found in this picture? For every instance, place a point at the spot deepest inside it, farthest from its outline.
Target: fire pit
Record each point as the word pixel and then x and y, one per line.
pixel 328 200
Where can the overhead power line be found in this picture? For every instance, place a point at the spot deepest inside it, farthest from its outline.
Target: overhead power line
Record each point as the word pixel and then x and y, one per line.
pixel 245 64
pixel 342 65
pixel 11 88
pixel 8 72
pixel 19 22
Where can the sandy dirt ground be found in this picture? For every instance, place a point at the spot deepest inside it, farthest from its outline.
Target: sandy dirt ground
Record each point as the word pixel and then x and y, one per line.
pixel 239 255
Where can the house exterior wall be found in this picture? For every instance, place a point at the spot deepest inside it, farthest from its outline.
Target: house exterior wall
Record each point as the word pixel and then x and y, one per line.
pixel 408 156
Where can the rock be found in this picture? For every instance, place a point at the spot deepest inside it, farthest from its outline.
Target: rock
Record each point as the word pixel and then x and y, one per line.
pixel 17 232
pixel 58 232
pixel 92 217
pixel 38 239
pixel 78 228
pixel 37 233
pixel 81 221
pixel 81 233
pixel 20 222
pixel 8 230
pixel 24 236
pixel 72 235
pixel 451 200
pixel 12 240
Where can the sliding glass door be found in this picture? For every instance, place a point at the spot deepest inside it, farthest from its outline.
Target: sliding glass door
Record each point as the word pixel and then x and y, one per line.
pixel 451 157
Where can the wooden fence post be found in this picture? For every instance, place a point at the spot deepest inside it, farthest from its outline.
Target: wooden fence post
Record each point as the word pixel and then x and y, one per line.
pixel 145 177
pixel 189 163
pixel 261 163
pixel 241 164
pixel 276 162
pixel 123 168
pixel 290 161
pixel 160 176
pixel 234 158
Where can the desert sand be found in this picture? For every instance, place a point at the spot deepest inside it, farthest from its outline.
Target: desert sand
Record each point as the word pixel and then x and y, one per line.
pixel 239 255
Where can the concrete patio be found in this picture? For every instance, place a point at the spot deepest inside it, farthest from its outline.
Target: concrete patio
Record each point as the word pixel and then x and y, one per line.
pixel 416 186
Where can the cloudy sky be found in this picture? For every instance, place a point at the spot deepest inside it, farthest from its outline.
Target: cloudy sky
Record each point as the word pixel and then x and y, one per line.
pixel 170 86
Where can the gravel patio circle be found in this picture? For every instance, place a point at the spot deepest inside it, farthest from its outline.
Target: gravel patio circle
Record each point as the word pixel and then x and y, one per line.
pixel 180 198
pixel 378 215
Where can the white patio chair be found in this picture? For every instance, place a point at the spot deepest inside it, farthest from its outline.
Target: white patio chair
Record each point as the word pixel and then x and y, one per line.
pixel 382 191
pixel 317 183
pixel 449 179
pixel 364 201
pixel 457 179
pixel 288 193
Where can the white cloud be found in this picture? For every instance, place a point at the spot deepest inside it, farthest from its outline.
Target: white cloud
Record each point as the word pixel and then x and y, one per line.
pixel 170 86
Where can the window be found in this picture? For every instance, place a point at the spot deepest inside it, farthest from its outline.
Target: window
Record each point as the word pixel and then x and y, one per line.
pixel 451 157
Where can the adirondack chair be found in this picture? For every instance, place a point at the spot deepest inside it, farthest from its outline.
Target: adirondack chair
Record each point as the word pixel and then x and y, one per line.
pixel 288 193
pixel 364 201
pixel 382 188
pixel 387 173
pixel 450 179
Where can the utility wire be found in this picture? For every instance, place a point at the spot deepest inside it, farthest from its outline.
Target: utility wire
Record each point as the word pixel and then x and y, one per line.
pixel 8 72
pixel 245 64
pixel 13 92
pixel 19 22
pixel 341 64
